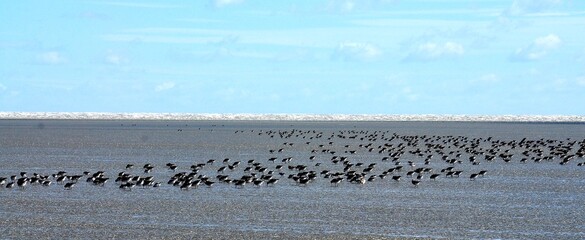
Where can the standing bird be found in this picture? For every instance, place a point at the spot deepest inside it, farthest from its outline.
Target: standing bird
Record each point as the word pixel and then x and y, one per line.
pixel 69 185
pixel 240 183
pixel 272 181
pixel 21 182
pixel 415 182
pixel 258 183
pixel 335 182
pixel 396 178
pixel 208 183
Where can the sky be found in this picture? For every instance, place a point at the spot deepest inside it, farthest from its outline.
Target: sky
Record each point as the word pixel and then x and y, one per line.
pixel 476 57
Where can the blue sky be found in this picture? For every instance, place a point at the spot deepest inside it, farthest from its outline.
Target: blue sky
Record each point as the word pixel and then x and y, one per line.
pixel 313 56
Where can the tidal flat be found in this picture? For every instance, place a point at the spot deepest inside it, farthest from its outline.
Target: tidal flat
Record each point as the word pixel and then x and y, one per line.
pixel 533 186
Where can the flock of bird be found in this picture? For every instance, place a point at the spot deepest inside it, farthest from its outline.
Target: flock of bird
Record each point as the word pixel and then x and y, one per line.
pixel 304 157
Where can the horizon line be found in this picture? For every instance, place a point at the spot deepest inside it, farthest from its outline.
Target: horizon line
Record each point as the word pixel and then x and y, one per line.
pixel 285 117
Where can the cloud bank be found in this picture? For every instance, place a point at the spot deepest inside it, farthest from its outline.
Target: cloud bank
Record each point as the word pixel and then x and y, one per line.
pixel 433 51
pixel 538 49
pixel 357 51
pixel 52 58
pixel 164 86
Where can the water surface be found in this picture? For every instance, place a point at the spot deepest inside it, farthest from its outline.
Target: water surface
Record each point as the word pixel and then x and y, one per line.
pixel 513 200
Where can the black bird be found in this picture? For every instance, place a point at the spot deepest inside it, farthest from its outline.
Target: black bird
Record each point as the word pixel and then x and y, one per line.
pixel 258 183
pixel 21 182
pixel 415 182
pixel 46 183
pixel 335 182
pixel 303 181
pixel 171 166
pixel 208 183
pixel 69 185
pixel 185 186
pixel 240 183
pixel 127 186
pixel 396 178
pixel 272 181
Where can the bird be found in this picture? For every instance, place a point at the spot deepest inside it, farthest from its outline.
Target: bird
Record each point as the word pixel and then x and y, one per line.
pixel 303 181
pixel 69 185
pixel 208 183
pixel 272 181
pixel 258 183
pixel 185 186
pixel 172 167
pixel 335 182
pixel 127 186
pixel 46 183
pixel 240 183
pixel 21 182
pixel 396 178
pixel 415 182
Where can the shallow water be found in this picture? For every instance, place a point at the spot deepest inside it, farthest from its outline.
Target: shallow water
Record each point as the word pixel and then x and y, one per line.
pixel 513 200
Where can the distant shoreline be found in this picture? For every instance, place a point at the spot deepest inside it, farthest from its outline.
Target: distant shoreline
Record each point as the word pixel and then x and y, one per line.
pixel 285 117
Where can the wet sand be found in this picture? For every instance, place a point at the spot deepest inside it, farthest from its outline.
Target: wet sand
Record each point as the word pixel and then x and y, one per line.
pixel 512 201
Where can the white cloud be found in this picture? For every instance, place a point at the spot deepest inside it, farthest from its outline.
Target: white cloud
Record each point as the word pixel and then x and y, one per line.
pixel 410 94
pixel 489 78
pixel 346 6
pixel 164 86
pixel 115 58
pixel 52 57
pixel 548 42
pixel 224 3
pixel 341 5
pixel 357 51
pixel 318 37
pixel 232 94
pixel 539 48
pixel 134 4
pixel 581 81
pixel 275 97
pixel 433 51
pixel 163 38
pixel 580 57
pixel 520 7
